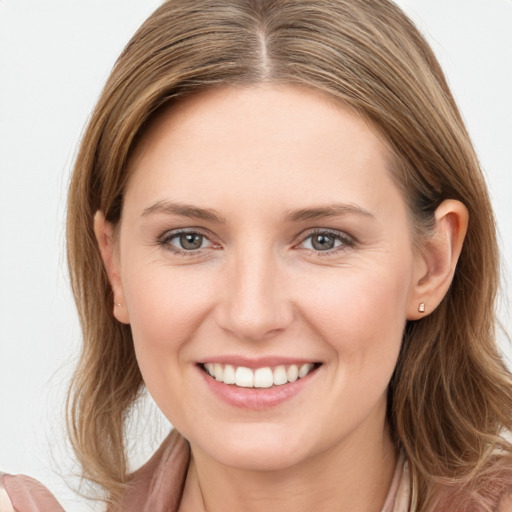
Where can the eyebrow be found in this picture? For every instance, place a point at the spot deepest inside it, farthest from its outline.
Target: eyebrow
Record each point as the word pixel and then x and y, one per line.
pixel 303 214
pixel 331 210
pixel 184 210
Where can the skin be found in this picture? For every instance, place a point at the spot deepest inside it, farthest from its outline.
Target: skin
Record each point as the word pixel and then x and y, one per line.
pixel 258 287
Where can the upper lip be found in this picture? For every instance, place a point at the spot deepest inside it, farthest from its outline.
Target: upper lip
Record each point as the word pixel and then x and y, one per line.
pixel 257 362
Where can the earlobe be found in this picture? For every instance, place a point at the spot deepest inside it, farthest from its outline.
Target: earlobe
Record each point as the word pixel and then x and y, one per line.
pixel 104 232
pixel 438 259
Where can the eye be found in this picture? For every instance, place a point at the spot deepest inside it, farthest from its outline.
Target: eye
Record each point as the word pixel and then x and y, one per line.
pixel 185 241
pixel 326 241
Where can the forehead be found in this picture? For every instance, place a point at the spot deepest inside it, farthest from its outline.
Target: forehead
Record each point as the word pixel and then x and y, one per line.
pixel 283 143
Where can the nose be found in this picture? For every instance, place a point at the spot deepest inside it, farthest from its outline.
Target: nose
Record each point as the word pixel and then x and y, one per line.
pixel 254 304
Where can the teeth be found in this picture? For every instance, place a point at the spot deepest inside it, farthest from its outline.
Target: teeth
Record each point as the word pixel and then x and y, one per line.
pixel 265 377
pixel 305 369
pixel 229 375
pixel 292 373
pixel 244 377
pixel 280 376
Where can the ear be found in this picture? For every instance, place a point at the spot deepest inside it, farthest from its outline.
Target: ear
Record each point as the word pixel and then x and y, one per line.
pixel 438 258
pixel 104 232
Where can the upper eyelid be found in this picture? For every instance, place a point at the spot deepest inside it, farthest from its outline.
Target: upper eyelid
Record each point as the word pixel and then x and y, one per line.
pixel 303 234
pixel 334 232
pixel 169 233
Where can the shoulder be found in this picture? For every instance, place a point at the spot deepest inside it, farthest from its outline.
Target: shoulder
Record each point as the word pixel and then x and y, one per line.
pixel 21 493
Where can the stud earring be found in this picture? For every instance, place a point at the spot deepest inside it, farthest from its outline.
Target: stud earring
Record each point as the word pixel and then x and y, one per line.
pixel 116 304
pixel 421 307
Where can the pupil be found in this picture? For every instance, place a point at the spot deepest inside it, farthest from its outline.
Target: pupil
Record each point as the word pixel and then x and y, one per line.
pixel 323 242
pixel 191 240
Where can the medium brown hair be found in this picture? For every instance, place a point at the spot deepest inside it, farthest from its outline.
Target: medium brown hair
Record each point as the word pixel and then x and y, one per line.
pixel 450 398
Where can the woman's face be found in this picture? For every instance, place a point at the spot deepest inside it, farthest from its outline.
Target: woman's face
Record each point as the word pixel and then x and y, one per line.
pixel 263 236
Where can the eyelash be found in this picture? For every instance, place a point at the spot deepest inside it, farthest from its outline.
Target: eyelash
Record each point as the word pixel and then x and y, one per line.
pixel 166 238
pixel 347 242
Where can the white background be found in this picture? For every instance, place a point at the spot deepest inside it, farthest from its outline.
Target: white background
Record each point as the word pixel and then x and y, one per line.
pixel 54 58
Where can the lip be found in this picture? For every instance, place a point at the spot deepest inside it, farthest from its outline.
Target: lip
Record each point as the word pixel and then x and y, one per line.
pixel 256 399
pixel 258 362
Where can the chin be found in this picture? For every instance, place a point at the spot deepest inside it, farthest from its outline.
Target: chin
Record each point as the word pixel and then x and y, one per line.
pixel 255 447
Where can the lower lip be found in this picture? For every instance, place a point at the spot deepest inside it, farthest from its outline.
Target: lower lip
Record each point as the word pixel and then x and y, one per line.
pixel 256 399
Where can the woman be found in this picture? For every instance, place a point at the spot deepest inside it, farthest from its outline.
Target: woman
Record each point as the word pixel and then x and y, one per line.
pixel 278 226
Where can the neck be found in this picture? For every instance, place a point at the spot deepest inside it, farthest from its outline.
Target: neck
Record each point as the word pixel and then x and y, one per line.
pixel 354 475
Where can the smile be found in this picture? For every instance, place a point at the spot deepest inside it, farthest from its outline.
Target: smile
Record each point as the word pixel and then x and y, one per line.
pixel 264 377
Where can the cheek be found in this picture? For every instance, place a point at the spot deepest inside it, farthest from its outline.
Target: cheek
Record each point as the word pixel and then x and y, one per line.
pixel 361 313
pixel 165 308
pixel 162 301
